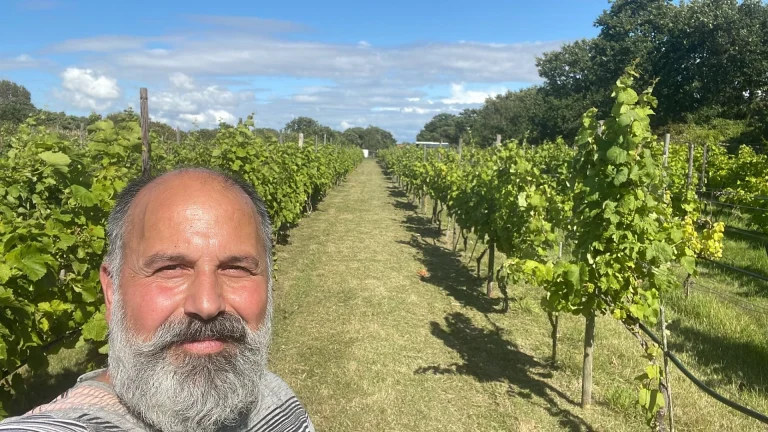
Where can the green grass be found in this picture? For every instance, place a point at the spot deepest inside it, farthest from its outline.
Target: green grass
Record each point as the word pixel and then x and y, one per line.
pixel 370 342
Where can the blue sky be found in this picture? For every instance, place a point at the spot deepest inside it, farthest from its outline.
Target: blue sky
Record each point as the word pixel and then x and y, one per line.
pixel 393 64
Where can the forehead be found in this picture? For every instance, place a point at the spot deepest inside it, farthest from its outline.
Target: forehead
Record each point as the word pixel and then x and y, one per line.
pixel 191 203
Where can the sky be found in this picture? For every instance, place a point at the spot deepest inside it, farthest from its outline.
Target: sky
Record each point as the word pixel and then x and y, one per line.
pixel 392 64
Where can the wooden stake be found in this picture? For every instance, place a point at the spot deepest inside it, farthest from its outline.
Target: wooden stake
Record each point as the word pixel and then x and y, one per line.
pixel 586 371
pixel 178 136
pixel 666 368
pixel 666 149
pixel 423 192
pixel 82 133
pixel 498 139
pixel 301 140
pixel 491 270
pixel 146 149
pixel 703 185
pixel 690 166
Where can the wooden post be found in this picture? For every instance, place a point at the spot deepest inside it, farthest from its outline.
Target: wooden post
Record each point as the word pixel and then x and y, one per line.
pixel 498 139
pixel 554 319
pixel 690 166
pixel 703 185
pixel 301 140
pixel 324 138
pixel 666 368
pixel 146 150
pixel 491 270
pixel 461 141
pixel 178 136
pixel 423 192
pixel 280 137
pixel 586 371
pixel 666 149
pixel 600 126
pixel 315 143
pixel 82 134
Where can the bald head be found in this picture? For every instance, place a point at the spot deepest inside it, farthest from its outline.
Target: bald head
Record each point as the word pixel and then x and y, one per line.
pixel 223 198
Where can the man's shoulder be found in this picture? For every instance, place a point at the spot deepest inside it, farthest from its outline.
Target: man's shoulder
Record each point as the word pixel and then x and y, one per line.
pixel 280 406
pixel 88 405
pixel 41 423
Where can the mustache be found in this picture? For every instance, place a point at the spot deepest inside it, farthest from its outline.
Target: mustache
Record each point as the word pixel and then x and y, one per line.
pixel 226 327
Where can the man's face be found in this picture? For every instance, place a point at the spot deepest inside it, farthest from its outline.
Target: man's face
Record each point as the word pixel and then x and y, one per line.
pixel 189 321
pixel 192 249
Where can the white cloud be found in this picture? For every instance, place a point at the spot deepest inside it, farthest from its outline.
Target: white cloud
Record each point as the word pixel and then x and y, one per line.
pixel 345 125
pixel 86 89
pixel 461 96
pixel 88 83
pixel 182 81
pixel 104 44
pixel 306 98
pixel 21 61
pixel 194 76
pixel 235 52
pixel 209 118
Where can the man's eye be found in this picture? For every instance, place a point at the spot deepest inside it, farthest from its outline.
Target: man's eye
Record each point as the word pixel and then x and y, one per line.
pixel 169 268
pixel 238 270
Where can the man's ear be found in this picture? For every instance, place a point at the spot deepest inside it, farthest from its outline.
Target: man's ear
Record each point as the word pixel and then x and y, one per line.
pixel 108 287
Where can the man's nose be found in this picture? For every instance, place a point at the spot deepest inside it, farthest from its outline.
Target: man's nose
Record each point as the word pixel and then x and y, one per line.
pixel 204 295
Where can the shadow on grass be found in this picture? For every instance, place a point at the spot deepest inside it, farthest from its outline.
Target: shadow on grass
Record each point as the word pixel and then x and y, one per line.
pixel 447 272
pixel 421 226
pixel 488 357
pixel 755 240
pixel 739 363
pixel 396 192
pixel 42 386
pixel 751 285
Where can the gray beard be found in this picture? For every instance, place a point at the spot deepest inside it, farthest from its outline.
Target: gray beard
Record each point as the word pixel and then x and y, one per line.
pixel 174 391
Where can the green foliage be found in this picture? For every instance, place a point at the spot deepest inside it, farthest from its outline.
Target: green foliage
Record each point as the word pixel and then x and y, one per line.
pixel 609 200
pixel 15 103
pixel 56 194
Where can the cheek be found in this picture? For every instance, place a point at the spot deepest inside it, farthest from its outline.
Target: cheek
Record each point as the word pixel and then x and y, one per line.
pixel 249 301
pixel 146 313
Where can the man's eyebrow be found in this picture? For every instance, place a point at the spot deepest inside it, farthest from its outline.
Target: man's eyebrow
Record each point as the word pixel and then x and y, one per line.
pixel 159 258
pixel 248 260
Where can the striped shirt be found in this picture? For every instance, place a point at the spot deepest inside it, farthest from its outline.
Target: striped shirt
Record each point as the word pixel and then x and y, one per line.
pixel 92 406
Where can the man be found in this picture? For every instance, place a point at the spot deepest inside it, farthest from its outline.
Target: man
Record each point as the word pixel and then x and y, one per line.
pixel 187 282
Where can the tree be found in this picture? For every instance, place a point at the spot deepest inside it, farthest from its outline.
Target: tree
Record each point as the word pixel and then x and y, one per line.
pixel 374 138
pixel 354 136
pixel 15 103
pixel 305 125
pixel 709 56
pixel 443 127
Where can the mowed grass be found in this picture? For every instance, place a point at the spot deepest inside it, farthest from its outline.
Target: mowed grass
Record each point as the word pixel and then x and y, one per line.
pixel 380 326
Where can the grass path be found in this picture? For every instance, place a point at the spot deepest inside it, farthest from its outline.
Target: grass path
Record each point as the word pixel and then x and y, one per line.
pixel 368 344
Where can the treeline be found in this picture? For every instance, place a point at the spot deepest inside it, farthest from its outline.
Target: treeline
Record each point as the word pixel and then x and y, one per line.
pixel 709 59
pixel 16 107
